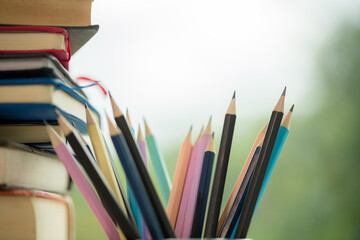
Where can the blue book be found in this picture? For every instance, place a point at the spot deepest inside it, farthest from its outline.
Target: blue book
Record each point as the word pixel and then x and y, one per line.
pixel 28 101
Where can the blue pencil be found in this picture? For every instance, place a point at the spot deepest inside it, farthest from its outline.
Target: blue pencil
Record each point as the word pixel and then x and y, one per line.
pixel 132 201
pixel 203 191
pixel 133 178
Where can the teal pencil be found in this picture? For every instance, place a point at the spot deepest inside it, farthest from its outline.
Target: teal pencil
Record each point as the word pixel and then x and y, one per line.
pixel 159 165
pixel 279 143
pixel 132 200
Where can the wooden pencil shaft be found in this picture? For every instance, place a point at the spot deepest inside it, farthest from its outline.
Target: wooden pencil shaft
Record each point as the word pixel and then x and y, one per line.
pixel 259 174
pixel 101 186
pixel 203 193
pixel 220 176
pixel 236 207
pixel 159 167
pixel 145 177
pixel 179 182
pixel 137 186
pixel 103 158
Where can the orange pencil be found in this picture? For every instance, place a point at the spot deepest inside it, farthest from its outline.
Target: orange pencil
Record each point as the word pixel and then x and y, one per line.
pixel 230 201
pixel 179 179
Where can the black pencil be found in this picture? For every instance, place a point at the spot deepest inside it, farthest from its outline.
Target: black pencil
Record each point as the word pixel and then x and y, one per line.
pixel 120 120
pixel 203 191
pixel 260 169
pixel 238 203
pixel 98 180
pixel 220 171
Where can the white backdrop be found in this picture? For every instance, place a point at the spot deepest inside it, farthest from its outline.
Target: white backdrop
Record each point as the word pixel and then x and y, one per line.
pixel 178 62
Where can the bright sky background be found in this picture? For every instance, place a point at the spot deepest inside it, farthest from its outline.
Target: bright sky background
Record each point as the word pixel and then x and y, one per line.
pixel 178 62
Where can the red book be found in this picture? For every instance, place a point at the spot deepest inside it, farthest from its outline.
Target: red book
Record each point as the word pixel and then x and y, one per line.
pixel 36 39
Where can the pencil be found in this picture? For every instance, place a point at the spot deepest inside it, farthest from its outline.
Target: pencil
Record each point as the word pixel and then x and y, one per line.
pixel 81 182
pixel 220 171
pixel 132 200
pixel 260 169
pixel 159 164
pixel 150 189
pixel 142 145
pixel 182 215
pixel 236 207
pixel 230 201
pixel 179 179
pixel 195 180
pixel 135 182
pixel 97 178
pixel 279 143
pixel 203 191
pixel 83 140
pixel 102 157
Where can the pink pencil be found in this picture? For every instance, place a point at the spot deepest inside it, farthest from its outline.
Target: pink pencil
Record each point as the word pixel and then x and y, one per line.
pixel 81 182
pixel 142 145
pixel 194 186
pixel 182 215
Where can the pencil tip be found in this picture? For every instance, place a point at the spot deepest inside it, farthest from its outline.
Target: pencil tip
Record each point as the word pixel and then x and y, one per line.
pixel 284 92
pixel 191 127
pixel 86 106
pixel 109 94
pixel 234 94
pixel 213 134
pixel 210 118
pixel 292 108
pixel 127 110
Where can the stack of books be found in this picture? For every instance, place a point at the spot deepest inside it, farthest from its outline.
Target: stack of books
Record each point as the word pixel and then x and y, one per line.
pixel 37 40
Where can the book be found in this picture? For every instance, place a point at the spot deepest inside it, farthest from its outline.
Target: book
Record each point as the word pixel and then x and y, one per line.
pixel 35 65
pixel 26 133
pixel 30 101
pixel 46 12
pixel 78 36
pixel 36 39
pixel 22 167
pixel 35 215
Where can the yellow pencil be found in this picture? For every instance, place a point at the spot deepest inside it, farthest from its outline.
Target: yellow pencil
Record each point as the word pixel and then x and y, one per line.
pixel 103 159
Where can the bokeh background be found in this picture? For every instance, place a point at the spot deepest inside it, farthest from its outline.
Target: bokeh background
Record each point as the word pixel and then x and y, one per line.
pixel 177 63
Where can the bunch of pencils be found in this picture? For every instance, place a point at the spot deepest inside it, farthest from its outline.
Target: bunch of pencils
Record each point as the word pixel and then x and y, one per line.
pixel 141 214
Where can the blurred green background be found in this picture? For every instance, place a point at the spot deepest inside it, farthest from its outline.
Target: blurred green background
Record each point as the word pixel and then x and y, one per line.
pixel 314 190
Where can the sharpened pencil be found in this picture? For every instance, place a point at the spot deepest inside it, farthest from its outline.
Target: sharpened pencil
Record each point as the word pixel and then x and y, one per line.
pixel 196 173
pixel 145 177
pixel 142 145
pixel 81 182
pixel 220 171
pixel 135 182
pixel 203 191
pixel 179 179
pixel 158 162
pixel 103 158
pixel 260 169
pixel 102 187
pixel 279 143
pixel 236 207
pixel 132 200
pixel 235 190
pixel 182 215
